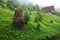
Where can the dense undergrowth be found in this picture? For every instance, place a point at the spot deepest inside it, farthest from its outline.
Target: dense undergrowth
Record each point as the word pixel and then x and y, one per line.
pixel 41 27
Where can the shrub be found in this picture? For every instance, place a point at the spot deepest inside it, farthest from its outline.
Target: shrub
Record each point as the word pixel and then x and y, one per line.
pixel 26 17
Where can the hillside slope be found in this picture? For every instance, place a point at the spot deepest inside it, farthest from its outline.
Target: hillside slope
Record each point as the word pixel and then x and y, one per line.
pixel 50 25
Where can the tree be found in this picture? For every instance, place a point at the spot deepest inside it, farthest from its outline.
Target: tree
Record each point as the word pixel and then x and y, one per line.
pixel 12 4
pixel 3 3
pixel 37 7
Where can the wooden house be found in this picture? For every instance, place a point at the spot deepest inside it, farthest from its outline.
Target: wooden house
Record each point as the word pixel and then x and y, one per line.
pixel 49 9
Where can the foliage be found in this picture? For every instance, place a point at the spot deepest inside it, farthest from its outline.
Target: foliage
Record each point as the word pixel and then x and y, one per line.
pixel 57 14
pixel 26 17
pixel 38 19
pixel 47 29
pixel 30 7
pixel 12 4
pixel 3 3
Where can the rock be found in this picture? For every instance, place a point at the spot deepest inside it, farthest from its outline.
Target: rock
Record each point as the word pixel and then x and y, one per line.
pixel 18 19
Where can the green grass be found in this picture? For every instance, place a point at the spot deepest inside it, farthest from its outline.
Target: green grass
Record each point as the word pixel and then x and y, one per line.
pixel 10 32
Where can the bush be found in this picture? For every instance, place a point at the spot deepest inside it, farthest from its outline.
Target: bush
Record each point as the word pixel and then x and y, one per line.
pixel 26 17
pixel 51 21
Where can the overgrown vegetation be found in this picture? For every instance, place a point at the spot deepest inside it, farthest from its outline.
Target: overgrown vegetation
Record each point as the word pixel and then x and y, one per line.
pixel 12 4
pixel 30 32
pixel 39 25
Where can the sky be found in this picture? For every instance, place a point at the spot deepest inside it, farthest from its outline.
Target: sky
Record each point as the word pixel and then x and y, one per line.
pixel 56 3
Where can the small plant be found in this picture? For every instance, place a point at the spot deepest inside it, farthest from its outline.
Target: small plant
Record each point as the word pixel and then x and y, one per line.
pixel 26 17
pixel 53 37
pixel 38 26
pixel 38 19
pixel 51 21
pixel 30 13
